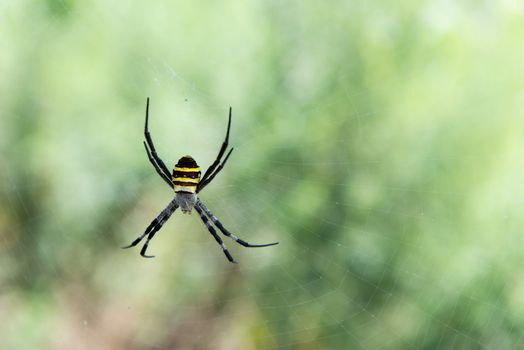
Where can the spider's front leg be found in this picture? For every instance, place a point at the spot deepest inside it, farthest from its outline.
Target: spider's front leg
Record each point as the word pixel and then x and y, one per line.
pixel 212 171
pixel 158 164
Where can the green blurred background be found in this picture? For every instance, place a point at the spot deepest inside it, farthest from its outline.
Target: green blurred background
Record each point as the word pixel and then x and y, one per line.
pixel 380 142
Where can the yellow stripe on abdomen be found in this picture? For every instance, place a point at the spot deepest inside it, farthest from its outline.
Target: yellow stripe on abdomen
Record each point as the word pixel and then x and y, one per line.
pixel 187 169
pixel 186 179
pixel 188 189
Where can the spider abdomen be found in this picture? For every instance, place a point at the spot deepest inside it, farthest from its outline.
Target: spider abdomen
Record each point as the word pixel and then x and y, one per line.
pixel 186 175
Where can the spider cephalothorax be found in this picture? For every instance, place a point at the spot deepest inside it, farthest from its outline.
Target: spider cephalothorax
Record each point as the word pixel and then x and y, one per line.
pixel 186 182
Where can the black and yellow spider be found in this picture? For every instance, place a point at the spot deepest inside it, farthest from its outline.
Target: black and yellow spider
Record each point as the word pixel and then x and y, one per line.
pixel 186 182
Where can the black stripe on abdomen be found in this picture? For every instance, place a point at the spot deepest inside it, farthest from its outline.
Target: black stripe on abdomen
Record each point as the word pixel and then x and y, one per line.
pixel 184 183
pixel 188 174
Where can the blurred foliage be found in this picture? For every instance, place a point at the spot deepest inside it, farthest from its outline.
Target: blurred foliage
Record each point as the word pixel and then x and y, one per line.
pixel 379 142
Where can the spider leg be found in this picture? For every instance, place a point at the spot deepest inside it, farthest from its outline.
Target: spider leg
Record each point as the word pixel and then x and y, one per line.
pixel 207 181
pixel 214 234
pixel 148 229
pixel 226 232
pixel 147 135
pixel 210 170
pixel 151 235
pixel 158 170
pixel 153 227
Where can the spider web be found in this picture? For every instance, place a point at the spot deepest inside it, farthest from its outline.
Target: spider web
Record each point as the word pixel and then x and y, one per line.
pixel 393 186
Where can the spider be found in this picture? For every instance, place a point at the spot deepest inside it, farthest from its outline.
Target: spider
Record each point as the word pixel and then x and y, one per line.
pixel 186 182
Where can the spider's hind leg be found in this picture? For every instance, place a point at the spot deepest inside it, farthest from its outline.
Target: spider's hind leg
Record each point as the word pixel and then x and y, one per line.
pixel 153 228
pixel 226 232
pixel 215 235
